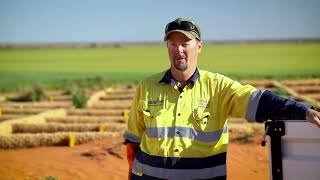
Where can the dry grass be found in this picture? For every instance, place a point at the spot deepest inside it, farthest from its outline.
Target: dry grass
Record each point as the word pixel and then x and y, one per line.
pixel 6 117
pixel 44 105
pixel 61 127
pixel 95 112
pixel 117 97
pixel 95 98
pixel 86 119
pixel 22 110
pixel 121 90
pixel 51 139
pixel 6 128
pixel 122 104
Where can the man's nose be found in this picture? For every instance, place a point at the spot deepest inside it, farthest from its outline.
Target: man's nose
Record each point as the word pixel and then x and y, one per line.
pixel 180 49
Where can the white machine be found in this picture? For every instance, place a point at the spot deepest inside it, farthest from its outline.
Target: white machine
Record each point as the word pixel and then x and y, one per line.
pixel 294 150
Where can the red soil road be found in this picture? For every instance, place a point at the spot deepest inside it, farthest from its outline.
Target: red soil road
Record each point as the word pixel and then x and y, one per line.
pixel 105 159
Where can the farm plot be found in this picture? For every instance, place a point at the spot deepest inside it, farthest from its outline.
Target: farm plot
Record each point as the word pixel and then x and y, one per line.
pixel 12 110
pixel 105 116
pixel 303 90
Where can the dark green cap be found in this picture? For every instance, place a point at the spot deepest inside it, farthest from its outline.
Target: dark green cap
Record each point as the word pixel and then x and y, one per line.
pixel 183 25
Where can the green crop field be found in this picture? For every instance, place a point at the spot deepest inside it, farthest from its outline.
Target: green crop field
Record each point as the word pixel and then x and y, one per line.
pixel 20 68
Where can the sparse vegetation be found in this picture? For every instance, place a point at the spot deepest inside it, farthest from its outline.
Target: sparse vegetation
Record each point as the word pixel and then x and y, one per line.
pixel 244 137
pixel 281 92
pixel 79 98
pixel 70 89
pixel 246 134
pixel 35 94
pixel 51 178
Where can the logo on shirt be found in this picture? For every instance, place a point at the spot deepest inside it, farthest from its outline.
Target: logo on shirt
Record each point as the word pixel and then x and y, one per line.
pixel 204 104
pixel 155 102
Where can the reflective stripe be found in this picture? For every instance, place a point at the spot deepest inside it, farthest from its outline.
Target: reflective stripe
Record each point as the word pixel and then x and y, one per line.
pixel 183 174
pixel 187 132
pixel 253 105
pixel 131 137
pixel 225 127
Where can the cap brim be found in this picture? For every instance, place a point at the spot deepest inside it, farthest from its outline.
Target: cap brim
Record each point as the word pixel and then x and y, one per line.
pixel 188 34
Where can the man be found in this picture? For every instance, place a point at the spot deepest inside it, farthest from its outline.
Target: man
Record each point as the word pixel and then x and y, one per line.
pixel 177 126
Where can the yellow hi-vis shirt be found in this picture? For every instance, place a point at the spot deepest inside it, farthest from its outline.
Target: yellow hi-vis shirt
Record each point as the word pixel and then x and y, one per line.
pixel 185 130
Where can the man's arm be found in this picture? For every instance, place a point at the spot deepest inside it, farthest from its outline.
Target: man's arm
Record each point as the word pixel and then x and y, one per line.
pixel 135 129
pixel 264 105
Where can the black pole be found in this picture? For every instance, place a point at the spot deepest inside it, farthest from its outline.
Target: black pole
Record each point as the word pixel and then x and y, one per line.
pixel 276 129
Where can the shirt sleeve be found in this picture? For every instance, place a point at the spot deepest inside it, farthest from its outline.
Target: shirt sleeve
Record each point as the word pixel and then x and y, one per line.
pixel 136 126
pixel 274 107
pixel 235 97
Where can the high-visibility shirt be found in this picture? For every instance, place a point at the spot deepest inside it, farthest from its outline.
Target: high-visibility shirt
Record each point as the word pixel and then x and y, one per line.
pixel 184 134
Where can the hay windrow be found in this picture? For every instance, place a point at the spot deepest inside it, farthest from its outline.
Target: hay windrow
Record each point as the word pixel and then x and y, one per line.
pixel 95 112
pixel 43 105
pixel 27 111
pixel 61 127
pixel 7 117
pixel 86 119
pixel 6 128
pixel 50 139
pixel 117 97
pixel 115 106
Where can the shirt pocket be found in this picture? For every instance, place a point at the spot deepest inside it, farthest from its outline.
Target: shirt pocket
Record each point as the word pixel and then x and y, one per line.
pixel 154 117
pixel 201 119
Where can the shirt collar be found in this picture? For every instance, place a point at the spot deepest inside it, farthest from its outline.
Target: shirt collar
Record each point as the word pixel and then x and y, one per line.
pixel 168 78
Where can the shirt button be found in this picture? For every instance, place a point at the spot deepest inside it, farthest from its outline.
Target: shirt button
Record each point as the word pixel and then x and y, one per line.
pixel 180 96
pixel 176 150
pixel 179 114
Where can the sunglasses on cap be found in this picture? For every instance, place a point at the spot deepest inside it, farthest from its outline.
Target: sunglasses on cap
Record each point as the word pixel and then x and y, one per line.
pixel 183 25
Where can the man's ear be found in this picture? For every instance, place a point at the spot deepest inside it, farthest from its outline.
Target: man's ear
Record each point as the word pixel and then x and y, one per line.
pixel 199 46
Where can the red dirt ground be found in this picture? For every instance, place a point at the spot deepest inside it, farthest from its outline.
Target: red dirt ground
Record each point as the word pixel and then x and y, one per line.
pixel 106 159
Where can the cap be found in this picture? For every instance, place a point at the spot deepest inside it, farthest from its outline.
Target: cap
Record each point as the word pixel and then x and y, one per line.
pixel 183 25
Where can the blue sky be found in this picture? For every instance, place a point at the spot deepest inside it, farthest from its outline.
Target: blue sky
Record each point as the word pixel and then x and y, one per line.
pixel 138 21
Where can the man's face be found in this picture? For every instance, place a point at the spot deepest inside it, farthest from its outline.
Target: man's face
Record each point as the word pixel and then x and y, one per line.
pixel 183 52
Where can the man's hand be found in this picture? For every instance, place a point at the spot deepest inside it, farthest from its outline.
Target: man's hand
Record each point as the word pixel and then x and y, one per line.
pixel 313 116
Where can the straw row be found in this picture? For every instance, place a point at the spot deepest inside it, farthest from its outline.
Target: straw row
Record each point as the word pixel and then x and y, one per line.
pixel 304 82
pixel 106 105
pixel 306 90
pixel 5 117
pixel 38 105
pixel 51 139
pixel 60 98
pixel 116 97
pixel 26 111
pixel 121 90
pixel 86 119
pixel 60 127
pixel 95 112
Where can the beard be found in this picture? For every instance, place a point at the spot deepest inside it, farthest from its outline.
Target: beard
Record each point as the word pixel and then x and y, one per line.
pixel 180 66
